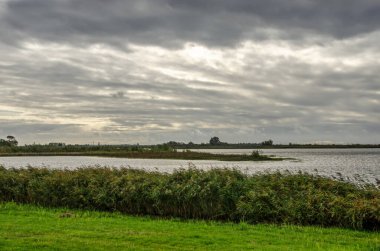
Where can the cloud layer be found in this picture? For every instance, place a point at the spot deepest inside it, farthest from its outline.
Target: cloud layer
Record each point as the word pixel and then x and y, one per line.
pixel 152 71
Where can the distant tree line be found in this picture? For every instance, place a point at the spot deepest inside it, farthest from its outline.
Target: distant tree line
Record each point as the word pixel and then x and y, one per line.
pixel 215 142
pixel 10 144
pixel 10 141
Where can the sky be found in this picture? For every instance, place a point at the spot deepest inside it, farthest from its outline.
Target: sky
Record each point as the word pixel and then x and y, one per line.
pixel 152 71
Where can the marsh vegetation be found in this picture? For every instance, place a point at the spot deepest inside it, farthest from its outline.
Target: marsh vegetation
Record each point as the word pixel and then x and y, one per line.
pixel 152 152
pixel 218 194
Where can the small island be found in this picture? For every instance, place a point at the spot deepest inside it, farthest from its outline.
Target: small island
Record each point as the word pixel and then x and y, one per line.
pixel 152 154
pixel 10 147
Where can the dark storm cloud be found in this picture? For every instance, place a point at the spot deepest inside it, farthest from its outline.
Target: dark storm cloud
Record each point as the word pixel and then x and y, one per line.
pixel 172 22
pixel 153 71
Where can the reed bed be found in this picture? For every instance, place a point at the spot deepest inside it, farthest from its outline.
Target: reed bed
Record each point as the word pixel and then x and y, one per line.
pixel 217 194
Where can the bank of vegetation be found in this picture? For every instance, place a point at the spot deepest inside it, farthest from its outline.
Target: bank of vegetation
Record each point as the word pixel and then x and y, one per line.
pixel 218 194
pixel 171 149
pixel 152 152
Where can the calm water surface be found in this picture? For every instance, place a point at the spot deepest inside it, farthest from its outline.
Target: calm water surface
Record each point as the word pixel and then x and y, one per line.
pixel 351 163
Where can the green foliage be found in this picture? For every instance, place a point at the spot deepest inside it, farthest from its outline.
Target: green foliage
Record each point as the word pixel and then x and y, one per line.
pixel 267 143
pixel 153 152
pixel 256 153
pixel 9 142
pixel 215 141
pixel 218 194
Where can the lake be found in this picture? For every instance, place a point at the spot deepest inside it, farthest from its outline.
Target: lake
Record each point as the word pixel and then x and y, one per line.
pixel 352 164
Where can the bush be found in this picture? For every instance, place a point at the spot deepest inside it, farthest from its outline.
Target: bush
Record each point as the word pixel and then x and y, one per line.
pixel 218 194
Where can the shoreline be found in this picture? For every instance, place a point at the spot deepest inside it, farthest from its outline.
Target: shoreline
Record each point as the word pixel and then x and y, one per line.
pixel 185 155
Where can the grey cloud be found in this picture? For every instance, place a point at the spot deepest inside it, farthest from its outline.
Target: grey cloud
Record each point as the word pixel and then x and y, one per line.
pixel 172 22
pixel 216 108
pixel 125 94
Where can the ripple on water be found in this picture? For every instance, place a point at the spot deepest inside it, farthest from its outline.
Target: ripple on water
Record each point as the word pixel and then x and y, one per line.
pixel 353 164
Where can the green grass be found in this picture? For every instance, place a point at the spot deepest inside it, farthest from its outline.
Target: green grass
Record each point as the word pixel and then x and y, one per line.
pixel 26 227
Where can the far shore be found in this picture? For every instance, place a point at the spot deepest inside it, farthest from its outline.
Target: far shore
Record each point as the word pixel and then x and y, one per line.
pixel 185 155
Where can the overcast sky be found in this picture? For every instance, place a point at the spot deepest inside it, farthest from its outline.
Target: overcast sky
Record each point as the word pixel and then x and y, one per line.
pixel 150 71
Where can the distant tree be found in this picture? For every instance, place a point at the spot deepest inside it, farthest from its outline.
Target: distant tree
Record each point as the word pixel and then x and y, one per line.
pixel 172 143
pixel 3 142
pixel 12 140
pixel 267 143
pixel 215 141
pixel 175 144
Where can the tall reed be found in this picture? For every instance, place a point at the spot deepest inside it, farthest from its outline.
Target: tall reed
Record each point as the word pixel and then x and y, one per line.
pixel 218 194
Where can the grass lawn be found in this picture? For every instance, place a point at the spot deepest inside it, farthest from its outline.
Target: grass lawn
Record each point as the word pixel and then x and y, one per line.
pixel 26 227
